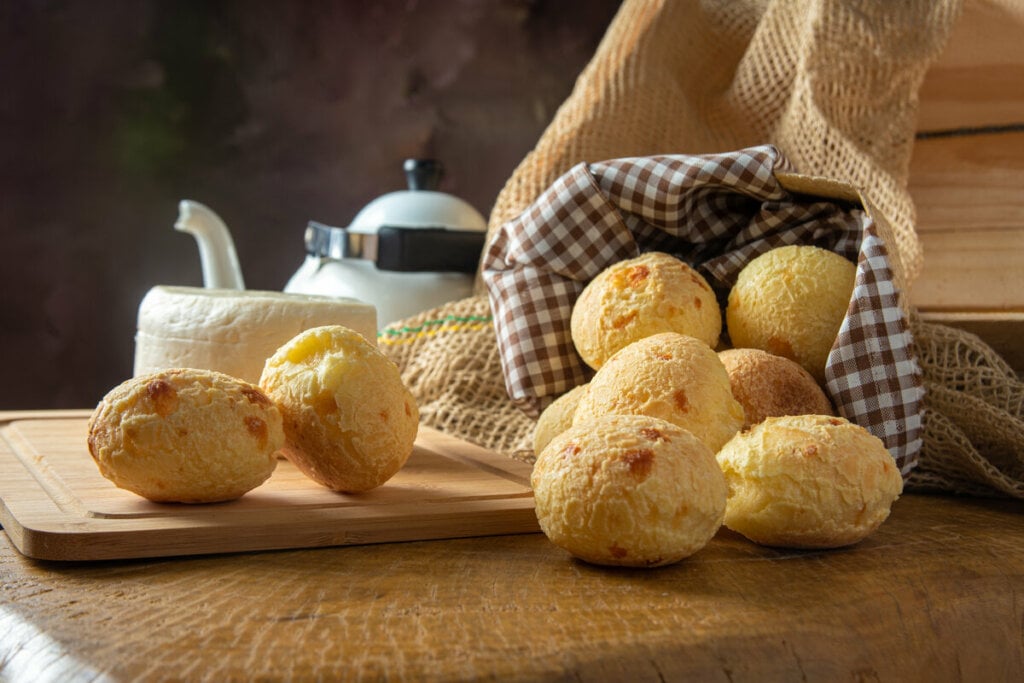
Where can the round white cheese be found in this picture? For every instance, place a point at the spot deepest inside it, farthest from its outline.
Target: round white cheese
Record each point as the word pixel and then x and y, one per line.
pixel 233 331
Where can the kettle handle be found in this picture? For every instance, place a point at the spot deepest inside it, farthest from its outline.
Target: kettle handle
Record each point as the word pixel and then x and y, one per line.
pixel 429 249
pixel 400 249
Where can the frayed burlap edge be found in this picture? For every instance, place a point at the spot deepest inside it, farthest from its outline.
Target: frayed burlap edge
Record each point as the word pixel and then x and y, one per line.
pixel 973 421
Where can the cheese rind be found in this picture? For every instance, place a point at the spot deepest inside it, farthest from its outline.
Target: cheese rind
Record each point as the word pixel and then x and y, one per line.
pixel 233 331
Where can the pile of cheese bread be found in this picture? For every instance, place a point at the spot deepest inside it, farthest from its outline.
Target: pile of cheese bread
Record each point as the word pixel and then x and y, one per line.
pixel 681 430
pixel 677 433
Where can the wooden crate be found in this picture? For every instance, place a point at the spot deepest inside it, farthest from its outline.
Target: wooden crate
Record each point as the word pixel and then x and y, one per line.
pixel 967 179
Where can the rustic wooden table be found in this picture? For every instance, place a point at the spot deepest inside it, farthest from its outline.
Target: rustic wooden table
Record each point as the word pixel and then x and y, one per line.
pixel 935 594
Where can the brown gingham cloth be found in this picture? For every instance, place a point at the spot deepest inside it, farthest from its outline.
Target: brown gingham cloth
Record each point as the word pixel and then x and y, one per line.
pixel 716 212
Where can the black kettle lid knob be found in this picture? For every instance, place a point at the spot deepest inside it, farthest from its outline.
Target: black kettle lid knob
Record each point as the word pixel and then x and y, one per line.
pixel 423 174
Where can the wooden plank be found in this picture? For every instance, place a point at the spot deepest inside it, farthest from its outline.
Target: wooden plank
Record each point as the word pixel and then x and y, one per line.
pixel 969 182
pixel 971 270
pixel 966 186
pixel 977 81
pixel 57 506
pixel 970 219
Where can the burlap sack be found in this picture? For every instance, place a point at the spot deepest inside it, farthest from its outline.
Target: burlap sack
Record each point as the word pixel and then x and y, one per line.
pixel 974 416
pixel 449 360
pixel 834 86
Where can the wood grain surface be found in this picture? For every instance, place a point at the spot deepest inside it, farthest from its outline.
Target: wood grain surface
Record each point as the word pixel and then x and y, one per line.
pixel 970 206
pixel 935 594
pixel 57 506
pixel 967 168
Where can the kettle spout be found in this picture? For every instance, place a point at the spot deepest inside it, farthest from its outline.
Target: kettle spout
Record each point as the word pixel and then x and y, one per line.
pixel 217 255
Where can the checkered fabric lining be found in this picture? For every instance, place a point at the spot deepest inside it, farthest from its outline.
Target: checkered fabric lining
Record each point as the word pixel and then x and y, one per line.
pixel 716 212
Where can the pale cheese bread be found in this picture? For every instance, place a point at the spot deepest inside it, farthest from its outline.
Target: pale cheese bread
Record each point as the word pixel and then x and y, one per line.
pixel 671 376
pixel 556 418
pixel 628 490
pixel 808 481
pixel 349 421
pixel 186 436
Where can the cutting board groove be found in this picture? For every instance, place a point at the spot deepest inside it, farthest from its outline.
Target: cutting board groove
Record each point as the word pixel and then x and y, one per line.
pixel 57 506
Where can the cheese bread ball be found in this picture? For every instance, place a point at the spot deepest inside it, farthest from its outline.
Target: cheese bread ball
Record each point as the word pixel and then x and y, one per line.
pixel 808 481
pixel 791 302
pixel 186 436
pixel 628 490
pixel 640 297
pixel 349 421
pixel 556 418
pixel 670 376
pixel 767 385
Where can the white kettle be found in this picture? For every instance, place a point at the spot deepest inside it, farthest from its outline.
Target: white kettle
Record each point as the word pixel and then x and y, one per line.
pixel 404 252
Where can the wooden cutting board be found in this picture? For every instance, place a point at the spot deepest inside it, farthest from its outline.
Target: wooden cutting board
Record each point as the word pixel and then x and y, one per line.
pixel 57 506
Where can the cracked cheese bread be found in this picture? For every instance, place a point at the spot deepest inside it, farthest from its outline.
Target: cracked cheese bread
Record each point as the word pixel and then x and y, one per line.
pixel 628 490
pixel 767 385
pixel 186 435
pixel 808 481
pixel 670 376
pixel 791 302
pixel 349 421
pixel 640 297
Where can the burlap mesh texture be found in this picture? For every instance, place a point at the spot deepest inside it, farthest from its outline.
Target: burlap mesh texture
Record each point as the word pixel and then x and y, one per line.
pixel 974 416
pixel 834 86
pixel 448 357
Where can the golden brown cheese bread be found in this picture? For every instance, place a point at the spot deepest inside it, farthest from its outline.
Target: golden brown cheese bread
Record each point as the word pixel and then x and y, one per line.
pixel 184 435
pixel 556 418
pixel 767 385
pixel 808 481
pixel 791 302
pixel 349 421
pixel 640 297
pixel 670 376
pixel 628 490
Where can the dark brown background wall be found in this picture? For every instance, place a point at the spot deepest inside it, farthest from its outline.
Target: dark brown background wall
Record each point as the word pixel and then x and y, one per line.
pixel 272 113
